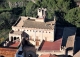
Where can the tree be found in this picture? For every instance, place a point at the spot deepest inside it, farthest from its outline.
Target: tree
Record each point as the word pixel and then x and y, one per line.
pixel 73 16
pixel 31 9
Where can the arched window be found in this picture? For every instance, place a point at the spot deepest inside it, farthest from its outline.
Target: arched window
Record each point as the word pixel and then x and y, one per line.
pixel 49 32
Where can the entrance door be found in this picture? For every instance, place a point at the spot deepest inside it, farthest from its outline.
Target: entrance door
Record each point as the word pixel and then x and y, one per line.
pixel 37 43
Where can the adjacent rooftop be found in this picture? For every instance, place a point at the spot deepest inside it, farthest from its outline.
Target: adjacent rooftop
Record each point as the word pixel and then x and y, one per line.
pixel 49 46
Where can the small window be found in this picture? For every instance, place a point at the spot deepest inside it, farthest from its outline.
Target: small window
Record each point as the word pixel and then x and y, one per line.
pixel 46 31
pixel 27 30
pixel 49 32
pixel 18 30
pixel 39 31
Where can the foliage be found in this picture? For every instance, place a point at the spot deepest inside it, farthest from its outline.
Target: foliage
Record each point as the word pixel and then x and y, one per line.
pixel 4 4
pixel 1 40
pixel 31 9
pixel 51 5
pixel 73 16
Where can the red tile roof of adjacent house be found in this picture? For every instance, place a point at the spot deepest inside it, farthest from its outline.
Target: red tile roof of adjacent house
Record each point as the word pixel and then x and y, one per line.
pixel 15 44
pixel 55 46
pixel 48 55
pixel 7 52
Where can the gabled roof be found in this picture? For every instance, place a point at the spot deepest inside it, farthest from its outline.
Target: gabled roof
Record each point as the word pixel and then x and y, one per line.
pixel 53 46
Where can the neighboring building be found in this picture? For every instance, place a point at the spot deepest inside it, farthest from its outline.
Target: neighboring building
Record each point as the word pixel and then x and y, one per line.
pixel 68 41
pixel 77 54
pixel 37 29
pixel 77 2
pixel 11 49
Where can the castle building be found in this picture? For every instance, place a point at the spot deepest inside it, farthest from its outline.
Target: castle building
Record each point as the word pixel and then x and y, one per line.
pixel 36 29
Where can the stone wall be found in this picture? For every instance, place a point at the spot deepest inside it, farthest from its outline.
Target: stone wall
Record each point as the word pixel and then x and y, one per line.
pixel 41 34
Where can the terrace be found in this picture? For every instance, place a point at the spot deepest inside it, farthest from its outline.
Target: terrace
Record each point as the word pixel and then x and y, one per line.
pixel 51 46
pixel 10 44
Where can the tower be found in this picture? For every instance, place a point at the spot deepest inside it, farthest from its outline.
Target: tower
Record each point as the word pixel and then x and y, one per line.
pixel 41 12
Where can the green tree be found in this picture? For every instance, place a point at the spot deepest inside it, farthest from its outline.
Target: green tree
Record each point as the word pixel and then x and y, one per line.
pixel 73 16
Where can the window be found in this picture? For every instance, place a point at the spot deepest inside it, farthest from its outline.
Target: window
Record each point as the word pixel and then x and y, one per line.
pixel 46 31
pixel 14 38
pixel 49 32
pixel 18 30
pixel 30 30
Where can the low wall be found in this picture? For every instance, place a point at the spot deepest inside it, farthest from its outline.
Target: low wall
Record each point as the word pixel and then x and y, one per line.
pixel 51 52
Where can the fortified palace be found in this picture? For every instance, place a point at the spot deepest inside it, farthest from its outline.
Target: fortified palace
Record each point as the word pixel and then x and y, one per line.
pixel 36 37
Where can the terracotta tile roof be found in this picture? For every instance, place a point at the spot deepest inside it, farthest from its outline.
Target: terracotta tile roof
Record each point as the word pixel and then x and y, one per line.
pixel 40 25
pixel 55 46
pixel 15 44
pixel 48 55
pixel 7 52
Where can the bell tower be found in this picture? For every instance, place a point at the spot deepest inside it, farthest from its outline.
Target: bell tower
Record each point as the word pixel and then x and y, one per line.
pixel 41 12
